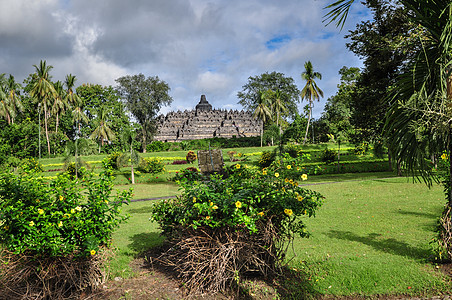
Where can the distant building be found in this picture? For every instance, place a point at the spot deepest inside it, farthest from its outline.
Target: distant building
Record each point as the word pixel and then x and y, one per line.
pixel 205 122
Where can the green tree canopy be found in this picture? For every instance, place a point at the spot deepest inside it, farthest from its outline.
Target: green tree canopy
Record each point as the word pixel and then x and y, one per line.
pixel 289 93
pixel 144 98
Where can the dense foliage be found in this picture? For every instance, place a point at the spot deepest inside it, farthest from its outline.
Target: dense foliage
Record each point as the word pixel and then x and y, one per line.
pixel 65 217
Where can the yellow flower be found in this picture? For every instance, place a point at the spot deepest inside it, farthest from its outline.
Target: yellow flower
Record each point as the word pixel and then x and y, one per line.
pixel 211 203
pixel 40 211
pixel 61 198
pixel 106 201
pixel 295 183
pixel 214 207
pixel 238 204
pixel 31 224
pixel 300 198
pixel 60 224
pixel 289 167
pixel 261 213
pixel 72 211
pixel 208 218
pixel 444 156
pixel 194 199
pixel 288 212
pixel 78 208
pixel 298 168
pixel 92 252
pixel 276 174
pixel 286 180
pixel 264 172
pixel 304 177
pixel 237 166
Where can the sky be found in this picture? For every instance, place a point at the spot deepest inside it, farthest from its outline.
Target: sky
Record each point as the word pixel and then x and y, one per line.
pixel 197 47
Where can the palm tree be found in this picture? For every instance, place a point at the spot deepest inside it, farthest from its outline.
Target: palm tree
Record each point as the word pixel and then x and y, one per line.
pixel 278 106
pixel 43 91
pixel 5 111
pixel 13 97
pixel 262 111
pixel 75 101
pixel 59 103
pixel 310 91
pixel 102 131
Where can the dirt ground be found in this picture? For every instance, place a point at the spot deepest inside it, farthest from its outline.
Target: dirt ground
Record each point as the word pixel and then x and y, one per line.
pixel 154 281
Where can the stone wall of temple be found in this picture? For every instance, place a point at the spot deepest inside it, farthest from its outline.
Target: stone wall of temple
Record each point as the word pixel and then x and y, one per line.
pixel 205 122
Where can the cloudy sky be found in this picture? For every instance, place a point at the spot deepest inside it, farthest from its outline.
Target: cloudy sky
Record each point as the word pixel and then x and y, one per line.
pixel 198 47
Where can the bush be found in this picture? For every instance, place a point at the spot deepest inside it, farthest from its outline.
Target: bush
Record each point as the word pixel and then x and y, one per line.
pixel 191 157
pixel 236 223
pixel 266 159
pixel 111 161
pixel 293 150
pixel 31 165
pixel 74 170
pixel 151 165
pixel 328 156
pixel 179 162
pixel 43 225
pixel 158 146
pixel 188 174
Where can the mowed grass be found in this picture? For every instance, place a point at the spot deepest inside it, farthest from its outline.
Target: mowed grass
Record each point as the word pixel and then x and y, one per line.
pixel 370 237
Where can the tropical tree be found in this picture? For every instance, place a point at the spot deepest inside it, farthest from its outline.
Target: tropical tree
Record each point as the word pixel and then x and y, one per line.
pixel 144 98
pixel 43 92
pixel 59 102
pixel 420 119
pixel 130 156
pixel 262 111
pixel 274 81
pixel 13 97
pixel 4 105
pixel 277 105
pixel 310 91
pixel 102 131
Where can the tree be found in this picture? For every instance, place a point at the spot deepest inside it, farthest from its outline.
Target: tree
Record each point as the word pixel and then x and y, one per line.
pixel 310 91
pixel 262 111
pixel 419 121
pixel 102 132
pixel 43 92
pixel 289 93
pixel 338 108
pixel 277 105
pixel 75 101
pixel 132 156
pixel 144 98
pixel 96 96
pixel 13 97
pixel 59 102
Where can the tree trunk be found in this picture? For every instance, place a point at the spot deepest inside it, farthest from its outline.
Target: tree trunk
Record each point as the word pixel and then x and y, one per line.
pixel 262 132
pixel 144 140
pixel 309 120
pixel 47 131
pixel 56 128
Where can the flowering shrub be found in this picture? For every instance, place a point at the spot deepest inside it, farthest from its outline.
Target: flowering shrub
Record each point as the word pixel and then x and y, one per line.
pixel 191 157
pixel 111 161
pixel 58 219
pixel 31 165
pixel 151 165
pixel 244 198
pixel 266 159
pixel 223 226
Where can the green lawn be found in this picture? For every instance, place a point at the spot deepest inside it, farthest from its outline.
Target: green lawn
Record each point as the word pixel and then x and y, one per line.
pixel 371 237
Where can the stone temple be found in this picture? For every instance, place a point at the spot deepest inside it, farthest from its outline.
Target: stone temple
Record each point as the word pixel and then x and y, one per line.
pixel 205 122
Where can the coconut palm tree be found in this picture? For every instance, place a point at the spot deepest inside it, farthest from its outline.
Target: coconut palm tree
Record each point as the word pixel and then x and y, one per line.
pixel 262 111
pixel 102 132
pixel 278 106
pixel 13 97
pixel 59 103
pixel 5 110
pixel 310 91
pixel 75 102
pixel 43 92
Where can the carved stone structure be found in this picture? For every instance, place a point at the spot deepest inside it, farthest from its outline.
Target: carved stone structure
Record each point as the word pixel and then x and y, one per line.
pixel 205 122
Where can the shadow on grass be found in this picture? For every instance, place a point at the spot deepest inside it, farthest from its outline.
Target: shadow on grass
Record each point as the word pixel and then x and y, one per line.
pixel 419 214
pixel 142 210
pixel 142 242
pixel 376 241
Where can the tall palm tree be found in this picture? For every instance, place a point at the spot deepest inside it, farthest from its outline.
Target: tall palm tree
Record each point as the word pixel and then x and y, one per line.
pixel 5 110
pixel 59 103
pixel 75 102
pixel 43 92
pixel 310 91
pixel 13 97
pixel 262 111
pixel 278 106
pixel 102 132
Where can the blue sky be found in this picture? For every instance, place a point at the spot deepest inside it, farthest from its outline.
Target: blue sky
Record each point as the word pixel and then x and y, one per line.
pixel 196 46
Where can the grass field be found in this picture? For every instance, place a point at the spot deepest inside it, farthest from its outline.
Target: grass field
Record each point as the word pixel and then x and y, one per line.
pixel 371 237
